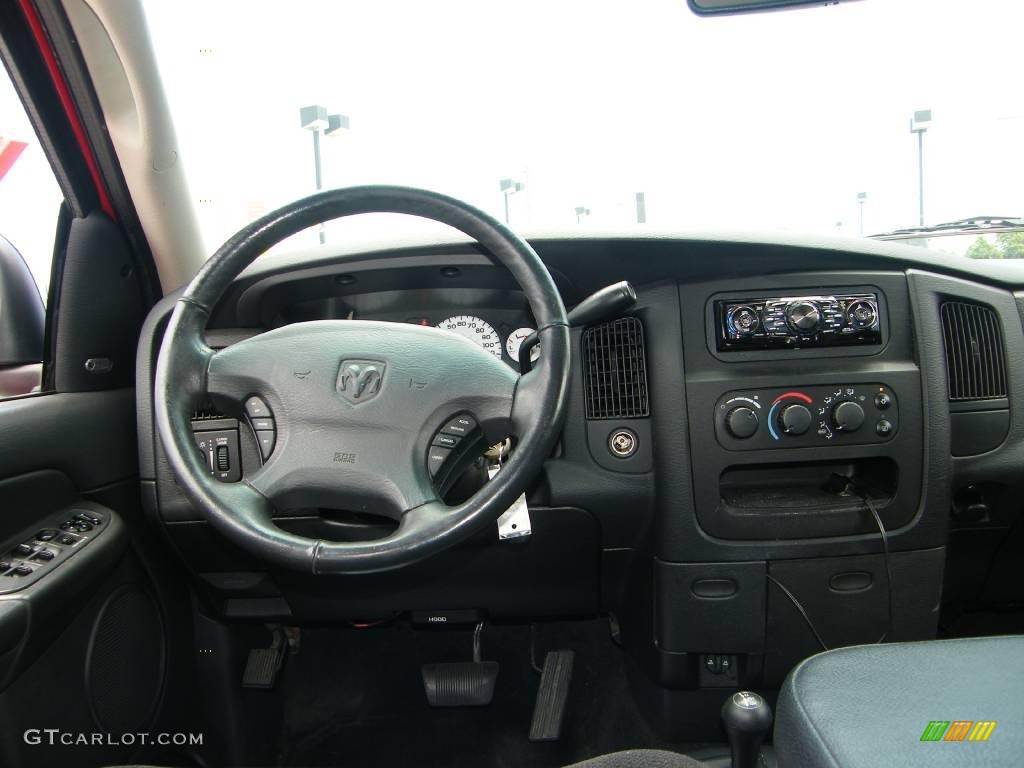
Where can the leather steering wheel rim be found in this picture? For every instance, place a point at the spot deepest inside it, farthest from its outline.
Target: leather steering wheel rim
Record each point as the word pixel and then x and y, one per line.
pixel 427 377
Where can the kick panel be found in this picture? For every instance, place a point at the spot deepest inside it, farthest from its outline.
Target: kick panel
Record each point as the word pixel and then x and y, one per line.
pixel 801 417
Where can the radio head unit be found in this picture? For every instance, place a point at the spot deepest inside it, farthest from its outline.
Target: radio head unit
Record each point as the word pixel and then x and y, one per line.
pixel 798 322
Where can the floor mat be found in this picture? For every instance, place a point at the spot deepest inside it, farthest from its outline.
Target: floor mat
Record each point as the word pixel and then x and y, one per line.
pixel 354 697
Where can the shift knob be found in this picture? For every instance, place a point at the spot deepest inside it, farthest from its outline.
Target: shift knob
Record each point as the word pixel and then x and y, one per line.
pixel 747 718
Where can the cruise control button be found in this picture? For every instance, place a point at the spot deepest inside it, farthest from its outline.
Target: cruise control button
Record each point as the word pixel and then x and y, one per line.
pixel 436 458
pixel 261 425
pixel 447 441
pixel 460 426
pixel 256 408
pixel 266 440
pixel 22 550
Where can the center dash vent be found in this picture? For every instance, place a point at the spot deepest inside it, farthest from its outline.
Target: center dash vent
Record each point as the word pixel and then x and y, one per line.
pixel 975 356
pixel 615 370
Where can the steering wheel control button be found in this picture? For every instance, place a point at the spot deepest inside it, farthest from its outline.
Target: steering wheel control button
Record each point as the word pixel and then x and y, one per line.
pixel 436 458
pixel 262 425
pixel 447 441
pixel 741 422
pixel 256 408
pixel 266 439
pixel 883 428
pixel 623 443
pixel 795 419
pixel 847 416
pixel 460 426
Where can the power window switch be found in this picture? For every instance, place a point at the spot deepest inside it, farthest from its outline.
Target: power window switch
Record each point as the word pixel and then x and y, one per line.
pixel 45 555
pixel 21 570
pixel 22 550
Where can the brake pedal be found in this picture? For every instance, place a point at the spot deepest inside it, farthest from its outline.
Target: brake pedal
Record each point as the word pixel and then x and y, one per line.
pixel 461 684
pixel 552 696
pixel 263 664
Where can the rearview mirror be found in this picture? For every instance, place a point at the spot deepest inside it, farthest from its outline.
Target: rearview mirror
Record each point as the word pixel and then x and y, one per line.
pixel 722 7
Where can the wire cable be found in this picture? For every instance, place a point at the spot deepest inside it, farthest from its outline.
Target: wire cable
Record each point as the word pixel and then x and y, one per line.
pixel 797 604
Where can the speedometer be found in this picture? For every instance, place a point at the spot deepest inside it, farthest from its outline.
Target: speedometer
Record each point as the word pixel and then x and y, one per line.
pixel 476 330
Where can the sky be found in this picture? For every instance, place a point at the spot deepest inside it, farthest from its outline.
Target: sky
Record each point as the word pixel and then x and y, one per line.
pixel 766 121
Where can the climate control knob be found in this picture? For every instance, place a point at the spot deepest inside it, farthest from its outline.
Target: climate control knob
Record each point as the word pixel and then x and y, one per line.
pixel 795 419
pixel 847 417
pixel 741 422
pixel 803 316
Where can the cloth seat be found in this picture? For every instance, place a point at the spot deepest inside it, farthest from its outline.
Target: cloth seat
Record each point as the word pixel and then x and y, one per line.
pixel 882 705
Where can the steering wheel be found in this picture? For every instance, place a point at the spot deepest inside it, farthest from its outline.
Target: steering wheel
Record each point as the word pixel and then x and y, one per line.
pixel 358 405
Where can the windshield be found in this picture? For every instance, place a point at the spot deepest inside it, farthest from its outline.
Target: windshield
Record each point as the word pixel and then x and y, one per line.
pixel 577 115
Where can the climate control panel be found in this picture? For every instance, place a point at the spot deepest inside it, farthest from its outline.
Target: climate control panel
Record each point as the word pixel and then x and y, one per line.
pixel 799 417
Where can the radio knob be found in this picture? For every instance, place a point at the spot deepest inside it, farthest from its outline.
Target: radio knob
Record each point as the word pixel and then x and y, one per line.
pixel 795 419
pixel 847 417
pixel 862 314
pixel 741 422
pixel 743 320
pixel 803 316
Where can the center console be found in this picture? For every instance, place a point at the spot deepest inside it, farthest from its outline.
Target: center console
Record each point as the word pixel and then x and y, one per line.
pixel 803 398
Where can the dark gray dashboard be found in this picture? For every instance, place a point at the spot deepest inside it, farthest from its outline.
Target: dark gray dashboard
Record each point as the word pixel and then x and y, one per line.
pixel 696 504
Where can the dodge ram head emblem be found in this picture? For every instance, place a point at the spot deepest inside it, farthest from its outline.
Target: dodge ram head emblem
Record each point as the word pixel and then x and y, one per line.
pixel 360 380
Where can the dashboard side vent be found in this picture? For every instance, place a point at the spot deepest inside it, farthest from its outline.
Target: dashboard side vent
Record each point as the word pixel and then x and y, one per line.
pixel 975 356
pixel 615 370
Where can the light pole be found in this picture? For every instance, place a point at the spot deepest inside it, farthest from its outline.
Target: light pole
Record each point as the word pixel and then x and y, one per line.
pixel 861 198
pixel 641 208
pixel 919 124
pixel 509 187
pixel 315 118
pixel 581 213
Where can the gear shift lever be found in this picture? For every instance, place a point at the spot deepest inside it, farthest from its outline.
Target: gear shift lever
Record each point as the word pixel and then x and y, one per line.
pixel 747 718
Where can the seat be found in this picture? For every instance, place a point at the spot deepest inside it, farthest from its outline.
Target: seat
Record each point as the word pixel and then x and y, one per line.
pixel 640 758
pixel 905 704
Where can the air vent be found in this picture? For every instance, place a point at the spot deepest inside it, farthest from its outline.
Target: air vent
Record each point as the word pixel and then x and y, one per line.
pixel 615 370
pixel 975 360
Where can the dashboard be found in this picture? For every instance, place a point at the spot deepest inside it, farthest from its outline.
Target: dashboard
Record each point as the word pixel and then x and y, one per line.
pixel 741 426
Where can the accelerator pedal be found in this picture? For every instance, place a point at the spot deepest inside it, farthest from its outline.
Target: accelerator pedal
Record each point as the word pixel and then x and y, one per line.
pixel 461 684
pixel 263 664
pixel 552 696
